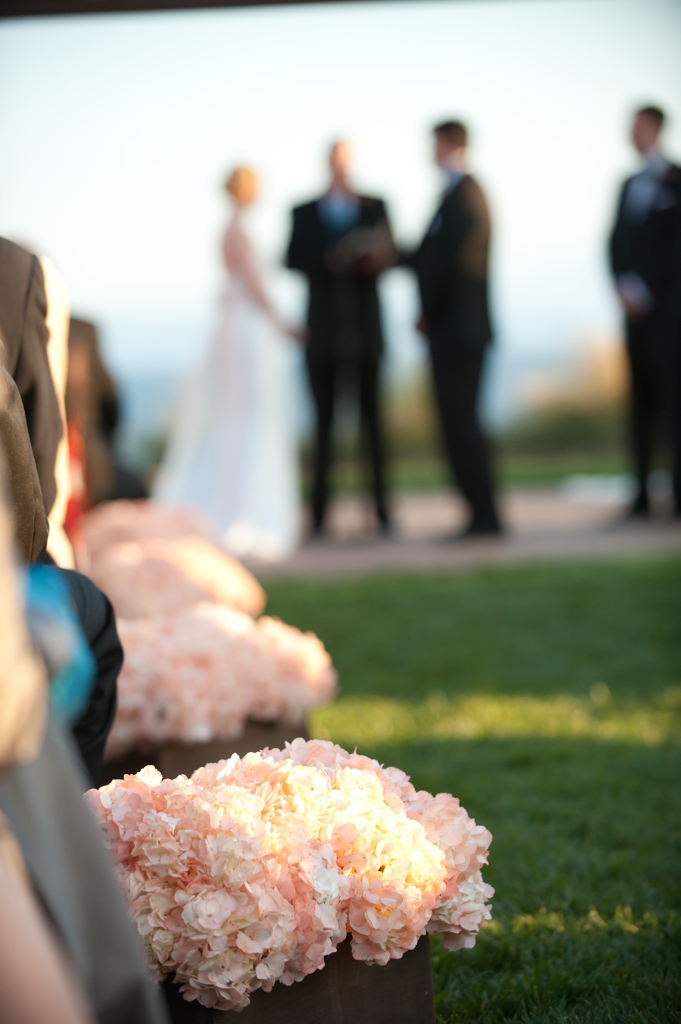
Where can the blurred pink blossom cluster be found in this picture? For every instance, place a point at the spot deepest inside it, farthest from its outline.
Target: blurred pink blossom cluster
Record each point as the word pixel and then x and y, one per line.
pixel 150 559
pixel 197 664
pixel 256 868
pixel 199 673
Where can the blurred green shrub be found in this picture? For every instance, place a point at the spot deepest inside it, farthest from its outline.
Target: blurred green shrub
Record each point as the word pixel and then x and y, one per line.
pixel 567 428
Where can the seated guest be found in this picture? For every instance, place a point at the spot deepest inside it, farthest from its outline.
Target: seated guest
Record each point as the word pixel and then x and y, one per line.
pixel 59 546
pixel 25 335
pixel 35 982
pixel 58 893
pixel 92 607
pixel 22 485
pixel 23 351
pixel 92 410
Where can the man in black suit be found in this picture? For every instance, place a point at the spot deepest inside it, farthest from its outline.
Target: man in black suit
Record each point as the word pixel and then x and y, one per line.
pixel 645 257
pixel 342 242
pixel 451 266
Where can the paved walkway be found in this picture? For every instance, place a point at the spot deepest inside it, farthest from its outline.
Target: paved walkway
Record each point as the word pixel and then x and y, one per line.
pixel 543 525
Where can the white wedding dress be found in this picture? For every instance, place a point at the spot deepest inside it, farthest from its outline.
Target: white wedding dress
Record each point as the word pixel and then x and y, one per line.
pixel 232 452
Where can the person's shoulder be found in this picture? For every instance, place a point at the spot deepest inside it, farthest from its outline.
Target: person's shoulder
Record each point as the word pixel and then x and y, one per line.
pixel 234 237
pixel 20 275
pixel 673 175
pixel 305 209
pixel 369 202
pixel 470 185
pixel 467 192
pixel 12 248
pixel 16 257
pixel 626 182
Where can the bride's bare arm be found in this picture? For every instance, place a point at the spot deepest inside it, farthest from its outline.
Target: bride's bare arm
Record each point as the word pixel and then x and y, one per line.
pixel 239 259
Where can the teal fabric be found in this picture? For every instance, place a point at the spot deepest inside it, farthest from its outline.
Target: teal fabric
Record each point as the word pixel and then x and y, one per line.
pixel 57 635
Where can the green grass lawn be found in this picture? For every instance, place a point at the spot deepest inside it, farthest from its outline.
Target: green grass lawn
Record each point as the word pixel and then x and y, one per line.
pixel 549 700
pixel 515 469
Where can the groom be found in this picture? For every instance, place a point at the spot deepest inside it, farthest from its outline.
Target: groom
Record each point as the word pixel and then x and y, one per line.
pixel 342 242
pixel 451 267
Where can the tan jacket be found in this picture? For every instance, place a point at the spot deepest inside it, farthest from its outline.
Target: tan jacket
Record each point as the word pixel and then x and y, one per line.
pixel 25 334
pixel 21 484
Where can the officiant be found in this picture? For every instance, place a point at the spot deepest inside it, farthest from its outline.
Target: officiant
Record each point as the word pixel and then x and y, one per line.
pixel 342 242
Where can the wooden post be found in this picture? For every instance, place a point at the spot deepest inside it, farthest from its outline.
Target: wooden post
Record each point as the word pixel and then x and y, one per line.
pixel 173 759
pixel 345 991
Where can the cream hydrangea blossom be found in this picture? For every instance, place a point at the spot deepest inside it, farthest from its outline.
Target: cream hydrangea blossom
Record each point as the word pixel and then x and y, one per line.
pixel 459 918
pixel 255 869
pixel 445 823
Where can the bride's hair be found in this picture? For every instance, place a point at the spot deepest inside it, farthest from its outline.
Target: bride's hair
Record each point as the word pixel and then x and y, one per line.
pixel 242 183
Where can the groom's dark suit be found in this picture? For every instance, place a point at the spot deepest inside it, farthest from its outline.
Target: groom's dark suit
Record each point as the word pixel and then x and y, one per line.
pixel 451 266
pixel 345 337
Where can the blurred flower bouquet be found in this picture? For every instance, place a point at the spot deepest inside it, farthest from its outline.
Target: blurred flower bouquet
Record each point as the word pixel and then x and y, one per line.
pixel 256 868
pixel 197 663
pixel 153 560
pixel 201 672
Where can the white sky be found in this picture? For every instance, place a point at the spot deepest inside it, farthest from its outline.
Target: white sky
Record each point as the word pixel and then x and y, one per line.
pixel 116 132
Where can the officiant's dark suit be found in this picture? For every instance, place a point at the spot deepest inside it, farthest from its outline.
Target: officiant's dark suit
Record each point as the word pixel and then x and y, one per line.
pixel 645 258
pixel 331 244
pixel 451 267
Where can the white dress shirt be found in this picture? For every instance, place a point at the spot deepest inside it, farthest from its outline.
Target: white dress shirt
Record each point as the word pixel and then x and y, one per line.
pixel 645 187
pixel 339 210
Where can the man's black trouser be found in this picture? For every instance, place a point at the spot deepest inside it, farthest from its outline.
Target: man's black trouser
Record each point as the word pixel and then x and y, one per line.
pixel 457 373
pixel 328 374
pixel 99 625
pixel 654 352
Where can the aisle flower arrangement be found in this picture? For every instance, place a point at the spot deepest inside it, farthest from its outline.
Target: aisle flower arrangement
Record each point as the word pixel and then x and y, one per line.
pixel 255 869
pixel 198 663
pixel 153 560
pixel 115 522
pixel 200 673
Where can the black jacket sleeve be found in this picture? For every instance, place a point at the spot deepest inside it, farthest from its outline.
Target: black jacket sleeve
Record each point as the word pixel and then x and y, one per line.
pixel 620 259
pixel 306 251
pixel 454 252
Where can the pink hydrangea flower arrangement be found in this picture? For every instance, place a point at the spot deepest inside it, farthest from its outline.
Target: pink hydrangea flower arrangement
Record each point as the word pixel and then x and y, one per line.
pixel 152 560
pixel 197 664
pixel 256 868
pixel 199 673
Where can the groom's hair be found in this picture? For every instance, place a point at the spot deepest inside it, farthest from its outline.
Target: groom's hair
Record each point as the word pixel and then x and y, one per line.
pixel 455 132
pixel 654 113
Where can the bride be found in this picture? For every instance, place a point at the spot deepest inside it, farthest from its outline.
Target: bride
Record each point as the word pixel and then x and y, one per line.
pixel 232 451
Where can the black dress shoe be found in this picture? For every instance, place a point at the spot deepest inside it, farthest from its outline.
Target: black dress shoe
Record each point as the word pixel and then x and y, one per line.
pixel 638 510
pixel 386 528
pixel 481 528
pixel 477 528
